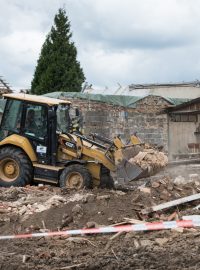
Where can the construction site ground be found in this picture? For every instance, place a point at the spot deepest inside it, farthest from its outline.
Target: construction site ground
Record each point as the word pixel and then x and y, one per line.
pixel 46 208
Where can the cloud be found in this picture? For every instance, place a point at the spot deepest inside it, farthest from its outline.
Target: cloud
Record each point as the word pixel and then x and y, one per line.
pixel 23 28
pixel 137 24
pixel 138 41
pixel 129 41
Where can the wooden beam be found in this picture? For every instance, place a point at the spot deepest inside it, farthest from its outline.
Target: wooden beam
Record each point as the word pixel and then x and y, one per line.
pixel 171 203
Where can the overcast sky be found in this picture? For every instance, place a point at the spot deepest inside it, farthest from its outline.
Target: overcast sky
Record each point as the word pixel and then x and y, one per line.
pixel 118 41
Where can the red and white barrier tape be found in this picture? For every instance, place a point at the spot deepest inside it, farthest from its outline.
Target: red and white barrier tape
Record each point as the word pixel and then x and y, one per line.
pixel 125 228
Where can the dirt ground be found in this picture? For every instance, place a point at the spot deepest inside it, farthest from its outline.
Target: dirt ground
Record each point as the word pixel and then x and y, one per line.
pixel 46 208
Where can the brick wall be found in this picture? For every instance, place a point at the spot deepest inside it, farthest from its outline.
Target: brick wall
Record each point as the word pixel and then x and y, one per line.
pixel 146 119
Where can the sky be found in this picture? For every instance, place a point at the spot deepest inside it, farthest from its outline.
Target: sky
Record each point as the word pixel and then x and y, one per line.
pixel 119 42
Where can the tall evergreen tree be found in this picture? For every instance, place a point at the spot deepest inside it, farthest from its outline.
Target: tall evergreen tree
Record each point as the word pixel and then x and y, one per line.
pixel 57 67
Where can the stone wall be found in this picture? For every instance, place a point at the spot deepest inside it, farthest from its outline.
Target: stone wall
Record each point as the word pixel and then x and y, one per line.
pixel 146 119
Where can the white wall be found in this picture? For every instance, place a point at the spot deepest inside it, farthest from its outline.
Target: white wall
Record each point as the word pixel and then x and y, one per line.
pixel 168 92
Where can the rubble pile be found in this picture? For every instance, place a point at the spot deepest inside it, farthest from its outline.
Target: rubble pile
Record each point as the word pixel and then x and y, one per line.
pixel 24 202
pixel 150 160
pixel 44 209
pixel 27 201
pixel 166 189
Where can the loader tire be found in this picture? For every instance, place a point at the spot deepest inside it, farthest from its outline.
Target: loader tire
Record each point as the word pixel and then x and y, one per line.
pixel 15 167
pixel 76 176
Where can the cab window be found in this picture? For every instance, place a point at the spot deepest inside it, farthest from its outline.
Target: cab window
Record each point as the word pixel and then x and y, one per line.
pixel 11 122
pixel 36 121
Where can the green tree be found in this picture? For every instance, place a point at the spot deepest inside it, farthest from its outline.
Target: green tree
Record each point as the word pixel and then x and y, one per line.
pixel 57 67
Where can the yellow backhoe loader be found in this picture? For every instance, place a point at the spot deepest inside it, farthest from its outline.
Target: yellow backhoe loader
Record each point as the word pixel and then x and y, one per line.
pixel 38 144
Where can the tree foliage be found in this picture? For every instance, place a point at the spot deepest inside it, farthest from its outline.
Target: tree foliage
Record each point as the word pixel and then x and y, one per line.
pixel 57 67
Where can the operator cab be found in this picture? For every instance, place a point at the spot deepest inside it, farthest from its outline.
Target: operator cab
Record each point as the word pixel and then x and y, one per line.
pixel 37 118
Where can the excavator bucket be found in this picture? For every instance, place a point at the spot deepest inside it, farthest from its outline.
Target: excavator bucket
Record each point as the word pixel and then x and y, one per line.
pixel 128 172
pixel 138 161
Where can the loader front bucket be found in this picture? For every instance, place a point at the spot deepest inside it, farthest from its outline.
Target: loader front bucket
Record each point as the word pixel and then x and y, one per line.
pixel 128 172
pixel 138 161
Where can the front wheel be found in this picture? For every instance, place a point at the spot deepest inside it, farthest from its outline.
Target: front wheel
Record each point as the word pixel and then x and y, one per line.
pixel 15 167
pixel 76 176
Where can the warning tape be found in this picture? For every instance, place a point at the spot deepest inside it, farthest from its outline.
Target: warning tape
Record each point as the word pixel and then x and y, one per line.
pixel 150 226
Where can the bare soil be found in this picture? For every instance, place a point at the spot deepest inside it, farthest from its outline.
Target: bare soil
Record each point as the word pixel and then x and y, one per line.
pixel 70 210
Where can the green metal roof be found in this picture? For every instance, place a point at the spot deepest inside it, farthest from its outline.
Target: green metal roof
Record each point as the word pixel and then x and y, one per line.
pixel 118 100
pixel 125 101
pixel 177 101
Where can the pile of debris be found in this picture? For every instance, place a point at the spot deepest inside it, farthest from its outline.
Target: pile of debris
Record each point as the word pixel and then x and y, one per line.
pixel 150 160
pixel 45 208
pixel 26 201
pixel 145 160
pixel 161 199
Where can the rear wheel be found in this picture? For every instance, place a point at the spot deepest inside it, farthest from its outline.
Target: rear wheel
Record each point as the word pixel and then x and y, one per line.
pixel 15 167
pixel 76 176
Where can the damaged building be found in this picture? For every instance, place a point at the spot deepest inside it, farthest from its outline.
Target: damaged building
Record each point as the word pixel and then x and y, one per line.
pixel 4 87
pixel 170 123
pixel 111 115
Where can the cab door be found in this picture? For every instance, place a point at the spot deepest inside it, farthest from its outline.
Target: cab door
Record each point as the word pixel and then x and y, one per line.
pixel 35 128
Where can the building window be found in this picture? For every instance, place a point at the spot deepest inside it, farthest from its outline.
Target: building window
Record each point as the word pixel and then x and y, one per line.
pixel 183 118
